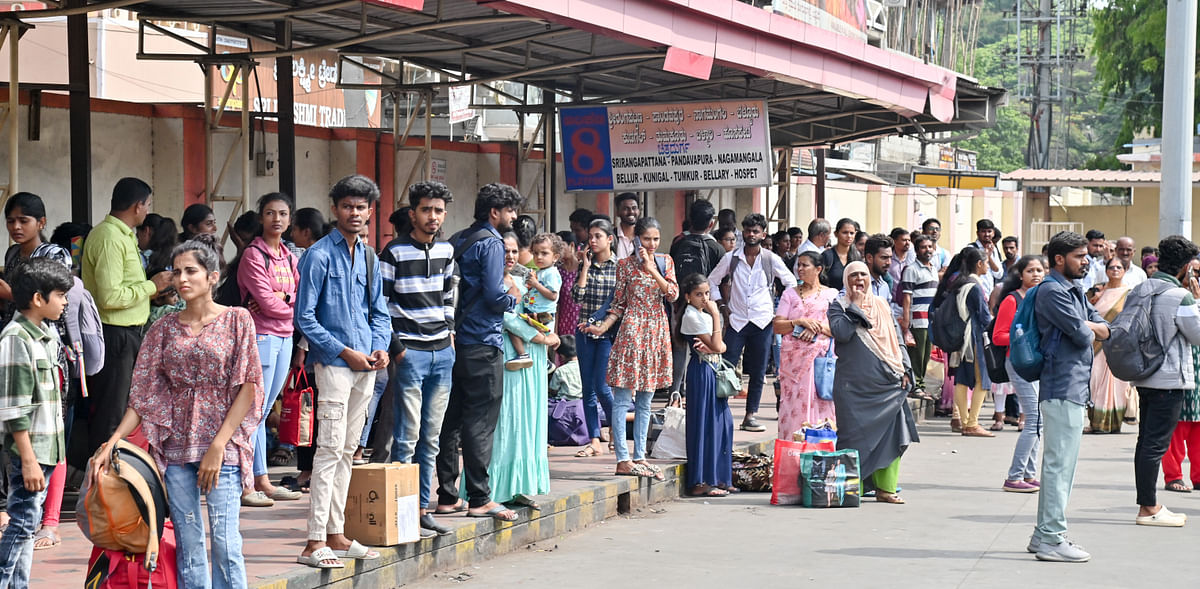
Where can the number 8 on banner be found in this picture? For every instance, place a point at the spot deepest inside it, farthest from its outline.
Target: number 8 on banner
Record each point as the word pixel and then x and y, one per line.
pixel 587 155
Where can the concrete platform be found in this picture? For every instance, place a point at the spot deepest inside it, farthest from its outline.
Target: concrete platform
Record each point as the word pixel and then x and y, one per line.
pixel 584 492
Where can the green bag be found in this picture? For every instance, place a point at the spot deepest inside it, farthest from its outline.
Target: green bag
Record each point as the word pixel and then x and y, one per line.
pixel 830 479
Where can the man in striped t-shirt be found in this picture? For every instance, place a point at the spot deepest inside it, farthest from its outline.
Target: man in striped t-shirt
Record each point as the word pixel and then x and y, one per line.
pixel 418 279
pixel 920 280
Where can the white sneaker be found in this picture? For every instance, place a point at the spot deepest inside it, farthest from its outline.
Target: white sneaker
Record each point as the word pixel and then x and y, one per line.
pixel 1034 545
pixel 1164 518
pixel 1062 552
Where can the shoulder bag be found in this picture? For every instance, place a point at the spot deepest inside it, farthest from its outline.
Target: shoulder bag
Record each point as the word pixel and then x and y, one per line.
pixel 824 368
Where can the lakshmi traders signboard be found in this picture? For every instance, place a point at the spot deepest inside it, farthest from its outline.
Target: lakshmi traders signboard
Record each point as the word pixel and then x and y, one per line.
pixel 666 146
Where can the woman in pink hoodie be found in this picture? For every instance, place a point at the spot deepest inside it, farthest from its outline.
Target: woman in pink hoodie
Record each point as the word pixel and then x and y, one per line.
pixel 267 278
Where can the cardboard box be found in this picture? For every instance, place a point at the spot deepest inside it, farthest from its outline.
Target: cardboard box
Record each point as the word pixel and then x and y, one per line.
pixel 383 505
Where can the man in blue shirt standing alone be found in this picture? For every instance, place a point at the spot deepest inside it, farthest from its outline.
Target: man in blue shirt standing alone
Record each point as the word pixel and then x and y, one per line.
pixel 478 376
pixel 342 313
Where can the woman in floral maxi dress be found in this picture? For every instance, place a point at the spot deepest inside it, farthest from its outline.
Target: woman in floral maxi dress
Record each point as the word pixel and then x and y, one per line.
pixel 640 361
pixel 804 307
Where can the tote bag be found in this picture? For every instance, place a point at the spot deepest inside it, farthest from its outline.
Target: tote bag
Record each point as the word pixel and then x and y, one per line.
pixel 297 415
pixel 823 371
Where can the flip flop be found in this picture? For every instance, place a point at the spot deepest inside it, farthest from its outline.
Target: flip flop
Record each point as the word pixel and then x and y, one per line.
pixel 497 513
pixel 525 501
pixel 588 452
pixel 318 555
pixel 1177 486
pixel 655 471
pixel 357 551
pixel 46 534
pixel 889 498
pixel 456 508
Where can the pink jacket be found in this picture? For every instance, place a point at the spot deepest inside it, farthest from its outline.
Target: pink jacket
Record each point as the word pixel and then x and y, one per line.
pixel 261 274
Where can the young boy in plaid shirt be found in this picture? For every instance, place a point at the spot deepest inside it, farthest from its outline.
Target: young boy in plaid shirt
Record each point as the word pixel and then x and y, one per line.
pixel 30 407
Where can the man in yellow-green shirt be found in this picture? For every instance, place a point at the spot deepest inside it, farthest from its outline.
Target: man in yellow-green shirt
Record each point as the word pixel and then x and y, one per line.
pixel 112 272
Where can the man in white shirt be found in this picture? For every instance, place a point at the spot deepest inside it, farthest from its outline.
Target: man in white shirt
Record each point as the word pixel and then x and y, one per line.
pixel 1134 275
pixel 818 236
pixel 751 308
pixel 941 258
pixel 985 233
pixel 628 212
pixel 1096 247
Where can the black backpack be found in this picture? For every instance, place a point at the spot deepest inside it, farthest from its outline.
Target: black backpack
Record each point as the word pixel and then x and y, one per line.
pixel 947 329
pixel 1133 349
pixel 691 255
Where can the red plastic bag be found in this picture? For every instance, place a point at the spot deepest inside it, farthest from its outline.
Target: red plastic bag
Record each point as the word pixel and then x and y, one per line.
pixel 785 478
pixel 113 569
pixel 296 417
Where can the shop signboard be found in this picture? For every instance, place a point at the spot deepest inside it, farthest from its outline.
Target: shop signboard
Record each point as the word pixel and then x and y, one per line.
pixel 666 146
pixel 845 17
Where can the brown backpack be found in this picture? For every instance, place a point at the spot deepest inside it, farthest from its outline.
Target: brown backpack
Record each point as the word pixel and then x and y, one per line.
pixel 126 506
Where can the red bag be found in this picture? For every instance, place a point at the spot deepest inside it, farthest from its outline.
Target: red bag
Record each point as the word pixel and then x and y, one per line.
pixel 113 569
pixel 785 479
pixel 296 417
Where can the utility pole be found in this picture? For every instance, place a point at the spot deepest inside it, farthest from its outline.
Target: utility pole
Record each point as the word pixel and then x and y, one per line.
pixel 1179 90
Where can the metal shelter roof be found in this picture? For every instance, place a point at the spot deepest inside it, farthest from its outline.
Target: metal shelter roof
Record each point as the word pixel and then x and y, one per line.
pixel 830 91
pixel 1097 178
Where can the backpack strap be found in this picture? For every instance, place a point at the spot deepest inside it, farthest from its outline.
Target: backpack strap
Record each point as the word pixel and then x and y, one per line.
pixel 763 260
pixel 150 513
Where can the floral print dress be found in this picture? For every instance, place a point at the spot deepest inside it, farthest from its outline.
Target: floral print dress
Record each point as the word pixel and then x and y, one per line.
pixel 641 354
pixel 798 402
pixel 184 385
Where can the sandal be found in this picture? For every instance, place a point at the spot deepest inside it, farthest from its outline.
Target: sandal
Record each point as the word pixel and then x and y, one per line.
pixel 525 501
pixel 893 498
pixel 282 457
pixel 46 534
pixel 449 509
pixel 498 513
pixel 707 491
pixel 357 551
pixel 654 470
pixel 997 426
pixel 1177 486
pixel 321 558
pixel 588 451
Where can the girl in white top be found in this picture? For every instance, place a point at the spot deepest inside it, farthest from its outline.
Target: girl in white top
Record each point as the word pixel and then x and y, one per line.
pixel 709 422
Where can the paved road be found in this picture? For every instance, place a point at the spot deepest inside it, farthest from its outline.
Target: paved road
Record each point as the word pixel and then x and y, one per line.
pixel 957 530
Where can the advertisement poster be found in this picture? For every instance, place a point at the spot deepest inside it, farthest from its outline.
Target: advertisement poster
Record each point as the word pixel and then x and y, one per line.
pixel 666 146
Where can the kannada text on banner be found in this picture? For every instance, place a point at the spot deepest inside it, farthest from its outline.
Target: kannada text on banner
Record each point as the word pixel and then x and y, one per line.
pixel 666 146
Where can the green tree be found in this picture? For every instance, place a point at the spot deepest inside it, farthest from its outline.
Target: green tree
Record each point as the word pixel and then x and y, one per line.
pixel 1130 48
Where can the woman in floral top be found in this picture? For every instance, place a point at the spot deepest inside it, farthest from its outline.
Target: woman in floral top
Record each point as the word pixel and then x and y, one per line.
pixel 197 394
pixel 640 361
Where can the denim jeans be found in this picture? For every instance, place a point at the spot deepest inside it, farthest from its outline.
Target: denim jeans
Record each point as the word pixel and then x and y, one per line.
pixel 593 372
pixel 382 378
pixel 1063 431
pixel 622 398
pixel 420 392
pixel 1159 410
pixel 224 502
pixel 1025 454
pixel 25 509
pixel 756 341
pixel 275 354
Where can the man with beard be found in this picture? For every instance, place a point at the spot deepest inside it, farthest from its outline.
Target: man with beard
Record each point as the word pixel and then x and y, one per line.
pixel 1097 246
pixel 628 214
pixel 941 258
pixel 478 374
pixel 751 308
pixel 1010 246
pixel 877 254
pixel 418 280
pixel 919 284
pixel 1066 318
pixel 985 233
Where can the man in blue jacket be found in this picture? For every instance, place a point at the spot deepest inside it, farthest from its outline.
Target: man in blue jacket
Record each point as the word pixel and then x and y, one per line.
pixel 1068 325
pixel 477 380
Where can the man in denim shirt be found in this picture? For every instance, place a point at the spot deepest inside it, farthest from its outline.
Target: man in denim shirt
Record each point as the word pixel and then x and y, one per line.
pixel 1068 325
pixel 341 311
pixel 478 376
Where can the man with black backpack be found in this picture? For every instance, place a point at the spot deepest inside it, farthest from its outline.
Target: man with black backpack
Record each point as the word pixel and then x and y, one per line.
pixel 1068 325
pixel 1155 333
pixel 696 252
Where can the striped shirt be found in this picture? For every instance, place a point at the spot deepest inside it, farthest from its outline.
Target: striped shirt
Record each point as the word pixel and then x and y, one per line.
pixel 920 281
pixel 418 281
pixel 30 397
pixel 601 282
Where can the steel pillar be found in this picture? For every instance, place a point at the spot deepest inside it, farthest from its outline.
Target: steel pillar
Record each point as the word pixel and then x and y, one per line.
pixel 79 81
pixel 1175 205
pixel 286 113
pixel 783 186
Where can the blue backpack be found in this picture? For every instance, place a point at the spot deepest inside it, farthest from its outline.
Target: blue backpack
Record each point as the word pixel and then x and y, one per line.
pixel 1025 341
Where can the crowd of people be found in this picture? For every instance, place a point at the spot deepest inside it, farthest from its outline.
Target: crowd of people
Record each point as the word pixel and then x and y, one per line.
pixel 443 351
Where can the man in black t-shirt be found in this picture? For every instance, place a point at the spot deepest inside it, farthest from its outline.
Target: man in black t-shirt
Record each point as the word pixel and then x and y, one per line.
pixel 696 251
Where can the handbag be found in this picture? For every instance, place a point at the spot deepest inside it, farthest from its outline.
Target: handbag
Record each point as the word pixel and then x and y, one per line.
pixel 297 416
pixel 824 368
pixel 830 479
pixel 566 426
pixel 729 380
pixel 672 442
